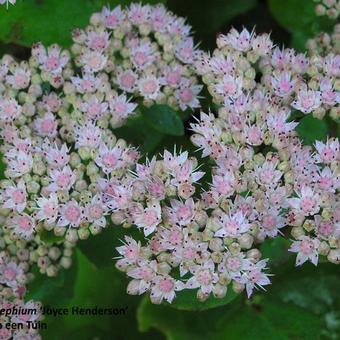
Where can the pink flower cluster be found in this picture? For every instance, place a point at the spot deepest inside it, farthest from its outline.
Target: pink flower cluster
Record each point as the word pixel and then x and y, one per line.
pixel 293 80
pixel 255 135
pixel 14 309
pixel 54 158
pixel 147 51
pixel 67 173
pixel 190 242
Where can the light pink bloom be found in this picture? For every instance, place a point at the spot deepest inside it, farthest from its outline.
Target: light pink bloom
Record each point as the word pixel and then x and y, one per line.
pixel 15 196
pixel 307 202
pixel 71 214
pixel 46 126
pixel 88 135
pixel 109 159
pixel 20 79
pixel 282 84
pixel 93 61
pixel 48 208
pixel 187 96
pixel 327 152
pixel 52 60
pixel 232 225
pixel 23 225
pixel 307 249
pixel 89 83
pixel 143 275
pixel 307 101
pixel 10 274
pixel 129 253
pixel 181 213
pixel 19 163
pixel 97 40
pixel 9 109
pixel 56 157
pixel 204 277
pixel 96 211
pixel 149 87
pixel 121 106
pixel 61 180
pixel 255 277
pixel 149 218
pixel 164 288
pixel 114 18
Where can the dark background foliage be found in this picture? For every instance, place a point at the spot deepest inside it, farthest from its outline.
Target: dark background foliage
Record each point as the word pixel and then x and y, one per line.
pixel 301 303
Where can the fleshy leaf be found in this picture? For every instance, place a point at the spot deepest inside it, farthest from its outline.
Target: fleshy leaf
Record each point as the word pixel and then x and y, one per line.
pixel 164 119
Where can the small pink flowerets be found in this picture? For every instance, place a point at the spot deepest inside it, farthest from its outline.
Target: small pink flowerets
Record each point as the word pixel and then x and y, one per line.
pixel 292 80
pixel 57 143
pixel 313 209
pixel 259 158
pixel 13 280
pixel 147 52
pixel 209 247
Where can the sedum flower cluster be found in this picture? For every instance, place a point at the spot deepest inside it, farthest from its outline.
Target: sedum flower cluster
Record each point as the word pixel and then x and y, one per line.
pixel 13 278
pixel 67 173
pixel 263 180
pixel 57 144
pixel 146 51
pixel 192 241
pixel 256 115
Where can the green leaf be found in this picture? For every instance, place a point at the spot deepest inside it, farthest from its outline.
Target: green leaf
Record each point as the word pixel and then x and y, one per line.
pixel 140 133
pixel 311 129
pixel 49 21
pixel 164 119
pixel 306 25
pixel 276 250
pixel 286 11
pixel 104 288
pixel 268 320
pixel 49 237
pixel 209 17
pixel 53 291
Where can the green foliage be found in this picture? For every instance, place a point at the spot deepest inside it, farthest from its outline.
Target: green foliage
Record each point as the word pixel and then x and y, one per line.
pixel 139 132
pixel 311 129
pixel 48 289
pixel 93 287
pixel 49 21
pixel 164 119
pixel 236 321
pixel 299 18
pixel 276 250
pixel 209 18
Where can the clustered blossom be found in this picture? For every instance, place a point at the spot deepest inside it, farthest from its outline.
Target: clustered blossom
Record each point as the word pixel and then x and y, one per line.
pixel 146 51
pixel 294 80
pixel 67 173
pixel 15 310
pixel 55 155
pixel 331 8
pixel 314 209
pixel 254 134
pixel 206 243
